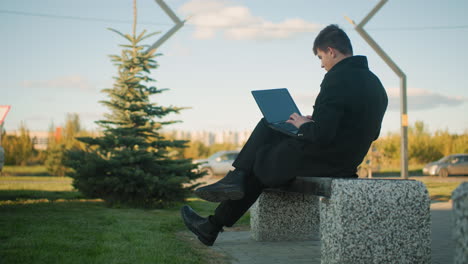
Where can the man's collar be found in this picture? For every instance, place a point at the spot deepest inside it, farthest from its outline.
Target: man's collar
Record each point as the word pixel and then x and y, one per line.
pixel 353 61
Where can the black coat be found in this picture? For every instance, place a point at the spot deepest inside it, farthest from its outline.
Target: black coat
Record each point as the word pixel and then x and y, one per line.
pixel 347 116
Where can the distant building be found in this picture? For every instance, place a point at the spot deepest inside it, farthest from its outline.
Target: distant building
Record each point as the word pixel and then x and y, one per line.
pixel 40 138
pixel 212 137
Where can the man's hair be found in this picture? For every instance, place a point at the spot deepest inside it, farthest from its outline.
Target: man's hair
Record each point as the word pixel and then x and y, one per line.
pixel 334 37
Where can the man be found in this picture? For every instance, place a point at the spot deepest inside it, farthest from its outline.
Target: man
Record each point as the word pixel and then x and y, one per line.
pixel 347 117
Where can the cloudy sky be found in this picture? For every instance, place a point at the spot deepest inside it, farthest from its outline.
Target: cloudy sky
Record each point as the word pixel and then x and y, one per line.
pixel 55 57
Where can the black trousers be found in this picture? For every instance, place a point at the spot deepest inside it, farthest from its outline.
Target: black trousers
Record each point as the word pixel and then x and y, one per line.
pixel 228 212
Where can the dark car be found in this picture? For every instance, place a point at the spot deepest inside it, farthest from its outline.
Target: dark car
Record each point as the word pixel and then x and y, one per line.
pixel 456 164
pixel 219 163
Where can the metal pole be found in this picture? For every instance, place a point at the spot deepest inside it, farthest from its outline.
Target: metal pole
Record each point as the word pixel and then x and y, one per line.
pixel 165 37
pixel 404 128
pixel 372 13
pixel 177 26
pixel 168 11
pixel 403 102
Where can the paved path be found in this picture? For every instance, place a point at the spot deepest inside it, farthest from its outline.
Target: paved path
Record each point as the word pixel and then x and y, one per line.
pixel 243 250
pixel 442 225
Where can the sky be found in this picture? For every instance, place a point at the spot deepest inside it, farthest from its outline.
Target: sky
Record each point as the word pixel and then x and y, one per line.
pixel 55 57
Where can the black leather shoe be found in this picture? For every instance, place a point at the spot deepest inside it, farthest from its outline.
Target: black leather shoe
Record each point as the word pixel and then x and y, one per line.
pixel 200 226
pixel 231 187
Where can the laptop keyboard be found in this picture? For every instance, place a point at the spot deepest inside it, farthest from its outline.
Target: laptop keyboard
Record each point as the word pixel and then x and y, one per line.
pixel 286 126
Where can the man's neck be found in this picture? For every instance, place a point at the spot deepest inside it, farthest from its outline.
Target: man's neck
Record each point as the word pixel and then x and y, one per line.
pixel 340 57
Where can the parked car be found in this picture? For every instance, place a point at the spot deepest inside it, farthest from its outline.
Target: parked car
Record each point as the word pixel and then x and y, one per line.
pixel 219 163
pixel 456 164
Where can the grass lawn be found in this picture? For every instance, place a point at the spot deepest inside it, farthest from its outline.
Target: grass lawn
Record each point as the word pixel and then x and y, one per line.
pixel 25 171
pixel 57 225
pixel 43 220
pixel 89 232
pixel 440 190
pixel 413 170
pixel 37 183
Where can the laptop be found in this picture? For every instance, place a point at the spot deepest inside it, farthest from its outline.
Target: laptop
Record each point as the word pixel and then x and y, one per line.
pixel 276 106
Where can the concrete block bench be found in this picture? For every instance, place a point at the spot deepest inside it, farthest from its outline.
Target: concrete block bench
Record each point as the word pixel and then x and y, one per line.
pixel 460 215
pixel 357 220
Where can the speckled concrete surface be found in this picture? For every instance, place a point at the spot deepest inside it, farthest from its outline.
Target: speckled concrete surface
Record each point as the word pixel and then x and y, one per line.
pixel 376 221
pixel 285 216
pixel 364 221
pixel 443 246
pixel 460 216
pixel 242 249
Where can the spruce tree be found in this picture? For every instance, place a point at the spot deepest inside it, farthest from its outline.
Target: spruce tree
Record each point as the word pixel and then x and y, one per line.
pixel 130 163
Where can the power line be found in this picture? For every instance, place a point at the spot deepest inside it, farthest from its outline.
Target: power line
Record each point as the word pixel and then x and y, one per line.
pixel 421 28
pixel 94 19
pixel 11 12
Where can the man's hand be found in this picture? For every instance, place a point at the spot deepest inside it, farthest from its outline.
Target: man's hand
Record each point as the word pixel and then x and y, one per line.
pixel 297 120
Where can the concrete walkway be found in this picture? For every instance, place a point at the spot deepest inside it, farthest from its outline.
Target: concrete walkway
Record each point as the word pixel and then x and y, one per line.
pixel 442 225
pixel 241 249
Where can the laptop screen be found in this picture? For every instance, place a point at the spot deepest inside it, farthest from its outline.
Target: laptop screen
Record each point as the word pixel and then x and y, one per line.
pixel 276 104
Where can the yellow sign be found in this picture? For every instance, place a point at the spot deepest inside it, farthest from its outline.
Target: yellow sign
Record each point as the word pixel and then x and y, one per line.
pixel 404 120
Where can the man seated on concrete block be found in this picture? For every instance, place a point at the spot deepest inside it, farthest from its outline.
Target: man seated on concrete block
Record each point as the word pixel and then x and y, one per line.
pixel 347 117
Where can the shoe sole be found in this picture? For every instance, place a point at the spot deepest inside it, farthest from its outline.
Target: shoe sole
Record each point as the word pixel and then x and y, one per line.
pixel 195 231
pixel 219 196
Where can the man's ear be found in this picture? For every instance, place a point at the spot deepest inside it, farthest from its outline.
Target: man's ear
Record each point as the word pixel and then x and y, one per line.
pixel 332 52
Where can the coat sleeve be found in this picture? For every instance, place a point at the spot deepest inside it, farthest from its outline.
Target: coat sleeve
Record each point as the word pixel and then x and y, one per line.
pixel 377 134
pixel 327 117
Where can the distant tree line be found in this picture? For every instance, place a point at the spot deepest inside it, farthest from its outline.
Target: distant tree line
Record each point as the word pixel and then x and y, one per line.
pixel 423 146
pixel 20 150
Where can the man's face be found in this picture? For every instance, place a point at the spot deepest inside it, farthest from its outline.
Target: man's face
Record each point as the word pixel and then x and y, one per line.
pixel 326 58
